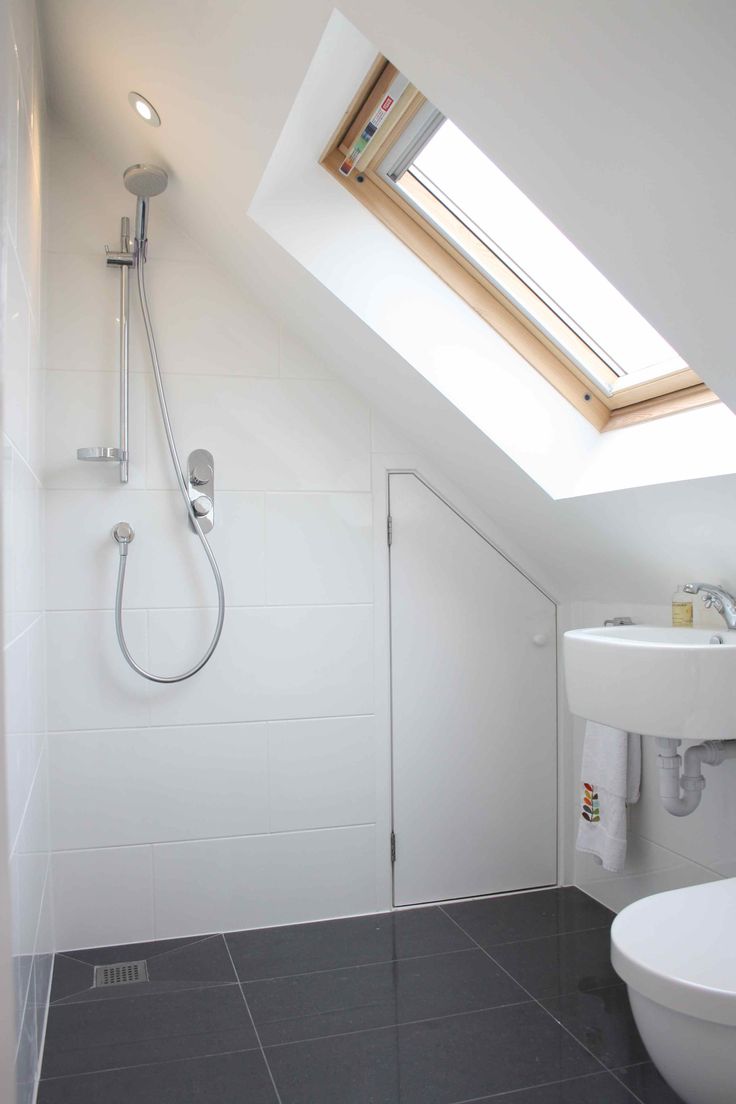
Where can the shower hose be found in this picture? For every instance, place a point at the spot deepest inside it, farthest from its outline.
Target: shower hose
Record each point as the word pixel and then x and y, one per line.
pixel 123 542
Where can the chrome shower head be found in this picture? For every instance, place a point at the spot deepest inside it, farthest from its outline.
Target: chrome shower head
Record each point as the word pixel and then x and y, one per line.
pixel 144 181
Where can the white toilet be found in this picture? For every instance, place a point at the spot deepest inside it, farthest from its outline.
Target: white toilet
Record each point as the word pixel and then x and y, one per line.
pixel 676 952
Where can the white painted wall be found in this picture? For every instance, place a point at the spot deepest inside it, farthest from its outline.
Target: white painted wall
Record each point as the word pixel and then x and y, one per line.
pixel 245 797
pixel 434 331
pixel 25 761
pixel 664 852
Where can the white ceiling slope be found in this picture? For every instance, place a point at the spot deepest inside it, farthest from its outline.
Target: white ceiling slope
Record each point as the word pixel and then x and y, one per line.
pixel 615 117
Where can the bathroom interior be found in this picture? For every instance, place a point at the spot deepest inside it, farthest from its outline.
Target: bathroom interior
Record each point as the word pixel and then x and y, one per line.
pixel 368 530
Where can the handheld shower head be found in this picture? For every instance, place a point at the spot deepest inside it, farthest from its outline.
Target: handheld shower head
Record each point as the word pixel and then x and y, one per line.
pixel 144 181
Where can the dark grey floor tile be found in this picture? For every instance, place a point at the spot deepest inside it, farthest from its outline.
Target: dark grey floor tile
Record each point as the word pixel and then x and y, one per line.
pixel 598 1088
pixel 172 964
pixel 435 1062
pixel 529 915
pixel 88 1035
pixel 648 1084
pixel 561 963
pixel 331 1002
pixel 330 944
pixel 603 1022
pixel 225 1079
pixel 126 952
pixel 70 976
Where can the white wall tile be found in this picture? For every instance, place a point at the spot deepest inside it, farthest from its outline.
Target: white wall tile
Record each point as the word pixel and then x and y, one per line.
pixel 36 402
pixel 25 791
pixel 319 548
pixel 618 892
pixel 298 362
pixel 24 553
pixel 193 782
pixel 256 881
pixel 386 438
pixel 265 434
pixel 103 897
pixel 28 235
pixel 272 663
pixel 83 410
pixel 16 346
pixel 30 861
pixel 321 773
pixel 39 996
pixel 24 718
pixel 166 563
pixel 25 1059
pixel 276 421
pixel 9 130
pixel 203 323
pixel 82 311
pixel 21 20
pixel 89 683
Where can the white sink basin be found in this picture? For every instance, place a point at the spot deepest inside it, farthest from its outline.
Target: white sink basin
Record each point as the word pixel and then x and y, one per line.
pixel 657 681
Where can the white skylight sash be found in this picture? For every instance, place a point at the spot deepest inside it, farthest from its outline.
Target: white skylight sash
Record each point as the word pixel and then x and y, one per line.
pixel 458 174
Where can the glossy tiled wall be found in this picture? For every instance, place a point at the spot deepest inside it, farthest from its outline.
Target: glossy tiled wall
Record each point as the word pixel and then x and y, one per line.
pixel 246 796
pixel 26 767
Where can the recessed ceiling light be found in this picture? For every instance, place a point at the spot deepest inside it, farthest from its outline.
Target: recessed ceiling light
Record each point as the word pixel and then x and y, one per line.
pixel 144 108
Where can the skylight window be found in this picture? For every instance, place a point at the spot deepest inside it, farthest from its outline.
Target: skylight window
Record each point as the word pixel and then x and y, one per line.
pixel 460 176
pixel 455 208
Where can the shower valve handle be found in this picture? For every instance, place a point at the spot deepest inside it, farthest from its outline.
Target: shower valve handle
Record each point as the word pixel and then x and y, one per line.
pixel 202 505
pixel 200 476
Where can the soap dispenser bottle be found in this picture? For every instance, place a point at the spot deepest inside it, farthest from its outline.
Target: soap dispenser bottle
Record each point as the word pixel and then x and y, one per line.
pixel 682 609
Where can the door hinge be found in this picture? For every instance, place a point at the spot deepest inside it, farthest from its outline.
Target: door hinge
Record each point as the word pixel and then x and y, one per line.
pixel 389 530
pixel 393 847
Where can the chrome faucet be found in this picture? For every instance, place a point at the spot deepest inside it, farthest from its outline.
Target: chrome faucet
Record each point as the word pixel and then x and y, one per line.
pixel 717 597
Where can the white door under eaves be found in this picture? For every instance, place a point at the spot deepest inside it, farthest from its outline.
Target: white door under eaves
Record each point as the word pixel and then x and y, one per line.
pixel 474 709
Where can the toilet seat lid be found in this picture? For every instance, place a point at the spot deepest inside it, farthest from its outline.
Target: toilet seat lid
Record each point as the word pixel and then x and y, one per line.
pixel 679 949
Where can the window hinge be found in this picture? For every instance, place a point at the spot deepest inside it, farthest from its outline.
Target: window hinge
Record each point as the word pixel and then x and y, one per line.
pixel 389 529
pixel 393 847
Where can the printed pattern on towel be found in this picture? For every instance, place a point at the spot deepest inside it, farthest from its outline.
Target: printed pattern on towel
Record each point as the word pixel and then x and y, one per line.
pixel 591 809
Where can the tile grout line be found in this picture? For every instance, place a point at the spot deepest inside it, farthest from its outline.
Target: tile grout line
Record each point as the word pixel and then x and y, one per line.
pixel 148 1065
pixel 537 1002
pixel 350 966
pixel 538 938
pixel 253 1022
pixel 512 1092
pixel 615 1073
pixel 75 999
pixel 208 724
pixel 219 839
pixel 282 977
pixel 396 1026
pixel 189 941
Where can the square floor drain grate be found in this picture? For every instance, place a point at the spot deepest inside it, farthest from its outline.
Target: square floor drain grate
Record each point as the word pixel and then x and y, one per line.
pixel 120 973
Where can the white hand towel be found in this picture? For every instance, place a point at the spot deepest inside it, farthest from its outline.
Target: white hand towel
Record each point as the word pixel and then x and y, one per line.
pixel 610 779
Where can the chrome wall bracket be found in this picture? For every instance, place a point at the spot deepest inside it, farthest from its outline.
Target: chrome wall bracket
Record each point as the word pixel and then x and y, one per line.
pixel 123 259
pixel 201 487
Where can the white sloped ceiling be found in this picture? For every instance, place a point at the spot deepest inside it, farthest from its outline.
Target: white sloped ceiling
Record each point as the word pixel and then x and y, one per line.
pixel 615 118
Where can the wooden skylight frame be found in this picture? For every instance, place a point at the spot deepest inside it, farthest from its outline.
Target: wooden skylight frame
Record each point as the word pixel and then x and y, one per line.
pixel 627 405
